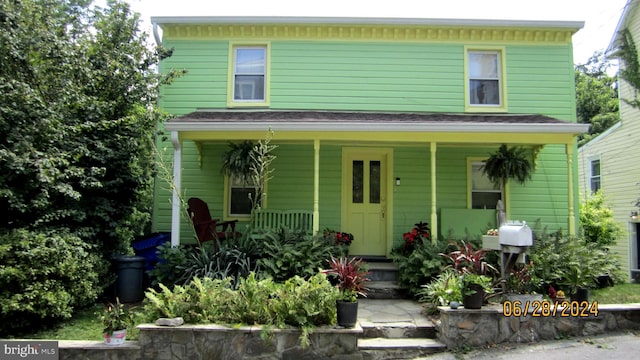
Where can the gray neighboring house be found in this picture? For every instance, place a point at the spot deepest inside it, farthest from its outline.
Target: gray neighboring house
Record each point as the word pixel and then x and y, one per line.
pixel 611 161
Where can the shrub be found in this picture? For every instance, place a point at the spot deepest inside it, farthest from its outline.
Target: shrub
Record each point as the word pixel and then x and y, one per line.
pixel 296 302
pixel 167 270
pixel 287 254
pixel 205 261
pixel 596 221
pixel 421 265
pixel 442 290
pixel 44 277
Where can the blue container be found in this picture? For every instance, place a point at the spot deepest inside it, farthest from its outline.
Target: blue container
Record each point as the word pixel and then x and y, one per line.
pixel 148 248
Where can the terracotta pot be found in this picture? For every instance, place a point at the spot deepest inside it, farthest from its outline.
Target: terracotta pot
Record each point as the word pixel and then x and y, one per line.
pixel 347 313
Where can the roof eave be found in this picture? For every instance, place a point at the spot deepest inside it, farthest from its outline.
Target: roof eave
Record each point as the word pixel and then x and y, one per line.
pixel 622 22
pixel 558 24
pixel 444 127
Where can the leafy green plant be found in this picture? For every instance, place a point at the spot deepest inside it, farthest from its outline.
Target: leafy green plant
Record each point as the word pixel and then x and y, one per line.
pixel 442 290
pixel 205 261
pixel 350 276
pixel 236 161
pixel 296 302
pixel 287 254
pixel 596 221
pixel 44 277
pixel 522 279
pixel 168 269
pixel 468 279
pixel 115 317
pixel 421 265
pixel 508 163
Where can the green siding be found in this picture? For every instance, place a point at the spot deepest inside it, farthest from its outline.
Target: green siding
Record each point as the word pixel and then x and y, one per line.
pixel 369 76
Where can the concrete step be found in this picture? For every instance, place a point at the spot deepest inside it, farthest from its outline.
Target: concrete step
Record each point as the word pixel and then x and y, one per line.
pixel 386 290
pixel 399 330
pixel 382 348
pixel 382 271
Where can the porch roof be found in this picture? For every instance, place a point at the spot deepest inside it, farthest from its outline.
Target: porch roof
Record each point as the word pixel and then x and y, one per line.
pixel 352 121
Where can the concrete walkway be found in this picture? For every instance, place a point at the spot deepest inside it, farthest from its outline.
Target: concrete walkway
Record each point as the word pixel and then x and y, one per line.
pixel 403 314
pixel 611 346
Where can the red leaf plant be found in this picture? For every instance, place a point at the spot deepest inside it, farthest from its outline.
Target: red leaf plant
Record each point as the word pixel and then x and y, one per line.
pixel 350 275
pixel 465 260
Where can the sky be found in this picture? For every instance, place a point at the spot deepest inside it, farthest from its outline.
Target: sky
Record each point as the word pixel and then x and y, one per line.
pixel 600 16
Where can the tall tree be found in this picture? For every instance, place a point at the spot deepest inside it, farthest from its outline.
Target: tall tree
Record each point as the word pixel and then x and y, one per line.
pixel 77 119
pixel 596 96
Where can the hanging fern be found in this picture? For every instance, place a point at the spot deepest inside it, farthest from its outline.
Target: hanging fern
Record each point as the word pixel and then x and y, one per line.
pixel 236 161
pixel 508 163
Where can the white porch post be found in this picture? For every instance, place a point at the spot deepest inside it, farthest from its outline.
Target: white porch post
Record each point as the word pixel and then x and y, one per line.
pixel 572 215
pixel 434 215
pixel 175 187
pixel 316 186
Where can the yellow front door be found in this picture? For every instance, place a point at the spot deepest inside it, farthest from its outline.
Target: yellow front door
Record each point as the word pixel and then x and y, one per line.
pixel 364 196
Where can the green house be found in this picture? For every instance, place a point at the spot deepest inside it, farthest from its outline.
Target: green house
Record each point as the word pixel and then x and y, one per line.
pixel 380 123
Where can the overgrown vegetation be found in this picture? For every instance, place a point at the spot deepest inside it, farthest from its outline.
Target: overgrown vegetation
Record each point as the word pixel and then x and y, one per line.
pixel 77 122
pixel 296 302
pixel 596 221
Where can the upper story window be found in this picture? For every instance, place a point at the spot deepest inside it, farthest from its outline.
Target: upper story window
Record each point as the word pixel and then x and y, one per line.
pixel 249 76
pixel 485 80
pixel 595 179
pixel 484 194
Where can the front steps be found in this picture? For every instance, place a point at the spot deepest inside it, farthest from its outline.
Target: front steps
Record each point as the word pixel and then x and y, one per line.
pixel 395 329
pixel 383 282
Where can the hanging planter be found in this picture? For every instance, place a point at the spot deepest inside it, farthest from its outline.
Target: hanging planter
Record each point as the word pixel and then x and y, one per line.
pixel 237 160
pixel 508 163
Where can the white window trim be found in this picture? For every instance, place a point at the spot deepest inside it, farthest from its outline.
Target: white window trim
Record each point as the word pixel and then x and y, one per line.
pixel 591 176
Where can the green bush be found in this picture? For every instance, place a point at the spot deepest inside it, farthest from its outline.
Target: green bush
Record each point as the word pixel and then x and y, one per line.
pixel 44 277
pixel 596 221
pixel 167 271
pixel 228 262
pixel 567 262
pixel 296 302
pixel 287 254
pixel 442 290
pixel 422 264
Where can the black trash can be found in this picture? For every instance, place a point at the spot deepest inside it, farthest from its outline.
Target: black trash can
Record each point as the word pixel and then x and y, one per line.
pixel 129 286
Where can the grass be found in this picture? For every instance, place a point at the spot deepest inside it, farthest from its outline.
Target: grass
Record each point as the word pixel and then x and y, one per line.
pixel 618 294
pixel 84 325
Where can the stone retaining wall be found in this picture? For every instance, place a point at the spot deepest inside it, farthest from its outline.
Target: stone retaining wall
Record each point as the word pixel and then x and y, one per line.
pixel 487 326
pixel 220 342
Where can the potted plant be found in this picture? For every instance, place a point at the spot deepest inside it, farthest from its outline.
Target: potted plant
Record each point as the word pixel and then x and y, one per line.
pixel 474 288
pixel 577 279
pixel 473 270
pixel 115 319
pixel 523 285
pixel 350 275
pixel 236 161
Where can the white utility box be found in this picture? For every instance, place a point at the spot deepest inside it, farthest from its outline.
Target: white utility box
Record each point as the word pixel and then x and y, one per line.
pixel 515 233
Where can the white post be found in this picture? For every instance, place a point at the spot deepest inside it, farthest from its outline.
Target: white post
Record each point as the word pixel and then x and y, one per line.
pixel 316 186
pixel 434 214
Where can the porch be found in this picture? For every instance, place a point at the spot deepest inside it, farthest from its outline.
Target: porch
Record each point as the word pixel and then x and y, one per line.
pixel 413 155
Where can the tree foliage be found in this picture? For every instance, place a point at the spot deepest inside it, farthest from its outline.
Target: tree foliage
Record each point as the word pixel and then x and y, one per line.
pixel 77 121
pixel 596 96
pixel 630 69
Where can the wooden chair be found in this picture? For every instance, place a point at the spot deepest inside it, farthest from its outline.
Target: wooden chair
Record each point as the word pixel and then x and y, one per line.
pixel 208 229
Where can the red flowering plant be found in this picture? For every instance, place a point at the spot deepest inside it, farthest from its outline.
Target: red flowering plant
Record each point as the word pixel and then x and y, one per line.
pixel 350 275
pixel 416 236
pixel 339 238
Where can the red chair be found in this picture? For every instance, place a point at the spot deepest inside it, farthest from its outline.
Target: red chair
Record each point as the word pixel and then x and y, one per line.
pixel 208 229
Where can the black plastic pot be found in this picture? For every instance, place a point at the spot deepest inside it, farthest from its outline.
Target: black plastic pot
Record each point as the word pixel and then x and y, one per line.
pixel 582 294
pixel 474 301
pixel 604 281
pixel 347 313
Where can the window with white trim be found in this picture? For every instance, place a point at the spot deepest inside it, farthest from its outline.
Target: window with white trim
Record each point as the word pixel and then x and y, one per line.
pixel 240 195
pixel 484 74
pixel 484 194
pixel 249 73
pixel 595 179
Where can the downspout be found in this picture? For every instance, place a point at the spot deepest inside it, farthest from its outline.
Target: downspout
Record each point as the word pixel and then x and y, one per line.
pixel 175 187
pixel 156 34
